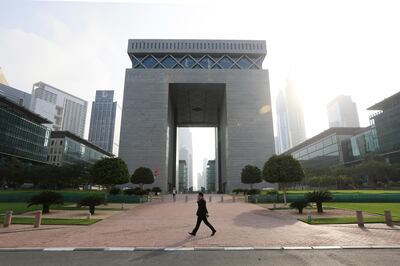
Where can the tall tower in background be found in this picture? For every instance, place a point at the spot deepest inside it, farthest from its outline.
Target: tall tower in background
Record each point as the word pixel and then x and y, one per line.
pixel 290 118
pixel 102 120
pixel 185 144
pixel 3 79
pixel 65 111
pixel 342 112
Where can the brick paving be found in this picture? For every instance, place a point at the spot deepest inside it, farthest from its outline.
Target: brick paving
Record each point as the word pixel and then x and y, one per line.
pixel 165 224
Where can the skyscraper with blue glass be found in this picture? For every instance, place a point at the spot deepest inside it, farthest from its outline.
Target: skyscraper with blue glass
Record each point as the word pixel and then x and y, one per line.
pixel 102 120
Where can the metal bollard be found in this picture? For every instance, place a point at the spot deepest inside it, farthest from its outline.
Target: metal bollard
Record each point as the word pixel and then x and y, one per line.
pixel 186 199
pixel 234 198
pixel 274 205
pixel 7 219
pixel 88 216
pixel 209 199
pixel 222 198
pixel 122 206
pixel 360 219
pixel 388 218
pixel 38 219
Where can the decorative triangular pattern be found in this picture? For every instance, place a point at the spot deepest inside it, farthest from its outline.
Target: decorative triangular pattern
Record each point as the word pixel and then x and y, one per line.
pixel 197 61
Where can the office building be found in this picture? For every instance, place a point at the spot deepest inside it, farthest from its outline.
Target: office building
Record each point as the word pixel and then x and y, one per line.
pixel 68 148
pixel 17 96
pixel 342 112
pixel 324 149
pixel 103 121
pixel 211 176
pixel 387 125
pixel 202 83
pixel 22 133
pixel 182 176
pixel 290 118
pixel 65 111
pixel 185 144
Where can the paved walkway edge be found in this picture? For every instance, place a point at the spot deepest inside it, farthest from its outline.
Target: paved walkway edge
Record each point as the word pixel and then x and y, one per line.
pixel 172 249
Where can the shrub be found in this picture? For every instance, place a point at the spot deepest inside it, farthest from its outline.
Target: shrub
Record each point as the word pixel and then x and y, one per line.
pixel 319 196
pixel 299 205
pixel 115 191
pixel 136 191
pixel 91 202
pixel 142 175
pixel 240 190
pixel 156 190
pixel 46 199
pixel 251 174
pixel 253 191
pixel 130 191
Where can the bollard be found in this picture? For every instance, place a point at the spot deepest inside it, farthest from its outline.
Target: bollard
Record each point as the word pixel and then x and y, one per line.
pixel 38 219
pixel 7 219
pixel 175 199
pixel 360 219
pixel 274 205
pixel 256 200
pixel 186 199
pixel 388 218
pixel 122 206
pixel 246 198
pixel 222 198
pixel 209 199
pixel 234 198
pixel 88 216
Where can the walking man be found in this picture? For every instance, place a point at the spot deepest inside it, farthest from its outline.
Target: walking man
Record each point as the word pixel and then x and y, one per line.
pixel 202 215
pixel 173 193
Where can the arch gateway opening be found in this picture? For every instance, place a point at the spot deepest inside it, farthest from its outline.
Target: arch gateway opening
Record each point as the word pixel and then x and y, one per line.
pixel 196 83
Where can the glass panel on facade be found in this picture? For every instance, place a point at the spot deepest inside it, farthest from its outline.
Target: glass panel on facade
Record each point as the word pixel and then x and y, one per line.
pixel 149 62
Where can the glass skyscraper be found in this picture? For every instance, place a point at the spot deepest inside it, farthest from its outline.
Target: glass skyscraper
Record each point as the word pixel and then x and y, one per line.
pixel 22 133
pixel 102 121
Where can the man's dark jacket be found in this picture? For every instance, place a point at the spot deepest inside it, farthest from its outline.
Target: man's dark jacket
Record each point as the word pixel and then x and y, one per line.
pixel 202 209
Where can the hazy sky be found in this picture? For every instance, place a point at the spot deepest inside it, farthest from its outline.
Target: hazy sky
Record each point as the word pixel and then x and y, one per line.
pixel 332 47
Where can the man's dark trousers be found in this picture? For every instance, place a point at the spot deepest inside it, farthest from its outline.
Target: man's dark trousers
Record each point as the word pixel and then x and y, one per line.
pixel 204 219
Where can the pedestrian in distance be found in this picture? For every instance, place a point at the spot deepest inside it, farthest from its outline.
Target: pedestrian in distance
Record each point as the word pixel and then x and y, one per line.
pixel 173 193
pixel 202 215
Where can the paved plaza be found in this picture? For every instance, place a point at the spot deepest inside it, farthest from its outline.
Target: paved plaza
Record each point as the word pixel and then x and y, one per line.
pixel 165 224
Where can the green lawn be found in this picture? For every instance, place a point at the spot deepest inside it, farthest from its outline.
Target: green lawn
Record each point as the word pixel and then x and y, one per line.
pixel 376 208
pixel 350 191
pixel 52 221
pixel 346 220
pixel 21 207
pixel 17 207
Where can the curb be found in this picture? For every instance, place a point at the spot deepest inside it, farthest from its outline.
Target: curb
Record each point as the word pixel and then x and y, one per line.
pixel 180 249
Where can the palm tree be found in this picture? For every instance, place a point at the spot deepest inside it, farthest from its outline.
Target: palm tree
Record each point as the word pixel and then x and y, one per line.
pixel 46 199
pixel 319 196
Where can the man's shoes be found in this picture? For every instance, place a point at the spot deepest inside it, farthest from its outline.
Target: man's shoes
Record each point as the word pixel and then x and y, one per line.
pixel 192 234
pixel 213 233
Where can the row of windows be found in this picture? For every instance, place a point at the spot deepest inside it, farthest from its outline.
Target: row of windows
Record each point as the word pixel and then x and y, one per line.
pixel 197 61
pixel 199 45
pixel 324 147
pixel 10 120
pixel 45 95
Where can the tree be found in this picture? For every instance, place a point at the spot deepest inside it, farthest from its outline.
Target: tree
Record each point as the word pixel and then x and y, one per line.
pixel 142 175
pixel 12 172
pixel 282 169
pixel 299 205
pixel 251 174
pixel 109 172
pixel 319 196
pixel 91 202
pixel 46 199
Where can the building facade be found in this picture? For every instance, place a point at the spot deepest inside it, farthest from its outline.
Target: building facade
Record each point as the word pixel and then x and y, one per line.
pixel 211 176
pixel 65 111
pixel 182 176
pixel 66 148
pixel 185 144
pixel 204 83
pixel 342 112
pixel 22 133
pixel 102 120
pixel 325 149
pixel 387 126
